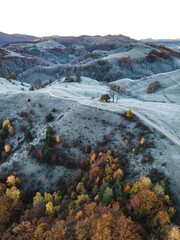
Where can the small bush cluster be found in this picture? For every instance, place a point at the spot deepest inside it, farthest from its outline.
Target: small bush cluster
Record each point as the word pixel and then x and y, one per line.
pixel 49 152
pixel 116 88
pixel 28 136
pixel 163 54
pixel 76 78
pixel 126 61
pixel 105 97
pixel 5 131
pixel 153 87
pixel 129 114
pixel 49 117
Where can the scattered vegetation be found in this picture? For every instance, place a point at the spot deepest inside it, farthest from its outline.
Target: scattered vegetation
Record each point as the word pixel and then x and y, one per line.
pixel 13 76
pixel 162 53
pixel 129 114
pixel 6 131
pixel 99 203
pixel 49 117
pixel 70 78
pixel 153 87
pixel 28 136
pixel 105 97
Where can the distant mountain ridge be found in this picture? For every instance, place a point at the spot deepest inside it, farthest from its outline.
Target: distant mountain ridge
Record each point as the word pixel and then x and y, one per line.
pixel 11 38
pixel 170 43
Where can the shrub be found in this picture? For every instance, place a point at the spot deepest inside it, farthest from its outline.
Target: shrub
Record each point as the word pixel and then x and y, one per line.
pixel 105 97
pixel 129 114
pixel 58 140
pixel 31 88
pixel 54 110
pixel 117 188
pixel 78 76
pixel 28 136
pixel 7 148
pixel 153 87
pixel 49 117
pixel 13 76
pixel 47 156
pixel 49 140
pixel 125 61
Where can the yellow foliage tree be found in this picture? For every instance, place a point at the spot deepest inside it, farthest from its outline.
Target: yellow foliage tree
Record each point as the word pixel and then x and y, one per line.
pixel 47 197
pixel 58 140
pixel 118 174
pixel 11 130
pixel 142 141
pixel 137 187
pixel 13 193
pixel 57 232
pixel 38 198
pixel 5 206
pixel 49 209
pixel 11 180
pixel 146 181
pixel 80 188
pixel 174 233
pixel 129 114
pixel 7 148
pixel 40 231
pixel 6 123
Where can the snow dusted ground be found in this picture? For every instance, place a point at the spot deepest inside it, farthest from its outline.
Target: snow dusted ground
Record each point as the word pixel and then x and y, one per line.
pixel 10 86
pixel 42 45
pixel 86 89
pixel 139 51
pixel 13 54
pixel 168 92
pixel 80 115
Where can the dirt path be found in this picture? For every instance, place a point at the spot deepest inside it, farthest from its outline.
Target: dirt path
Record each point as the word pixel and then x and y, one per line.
pixel 112 107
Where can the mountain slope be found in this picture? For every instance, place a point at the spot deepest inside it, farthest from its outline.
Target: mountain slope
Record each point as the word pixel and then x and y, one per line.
pixel 10 38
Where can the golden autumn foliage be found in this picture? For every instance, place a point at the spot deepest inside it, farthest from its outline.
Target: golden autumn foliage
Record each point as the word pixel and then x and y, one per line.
pixel 79 214
pixel 174 233
pixel 93 158
pixel 38 198
pixel 99 222
pixel 148 203
pixel 129 114
pixel 118 174
pixel 58 140
pixel 21 228
pixel 137 187
pixel 80 188
pixel 6 123
pixel 13 193
pixel 142 141
pixel 47 197
pixel 40 231
pixel 5 206
pixel 99 204
pixel 7 148
pixel 57 232
pixel 11 130
pixel 11 180
pixel 49 209
pixel 146 181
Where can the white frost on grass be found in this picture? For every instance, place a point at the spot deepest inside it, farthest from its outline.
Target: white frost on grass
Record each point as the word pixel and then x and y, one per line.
pixel 8 86
pixel 87 88
pixel 168 92
pixel 13 54
pixel 140 50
